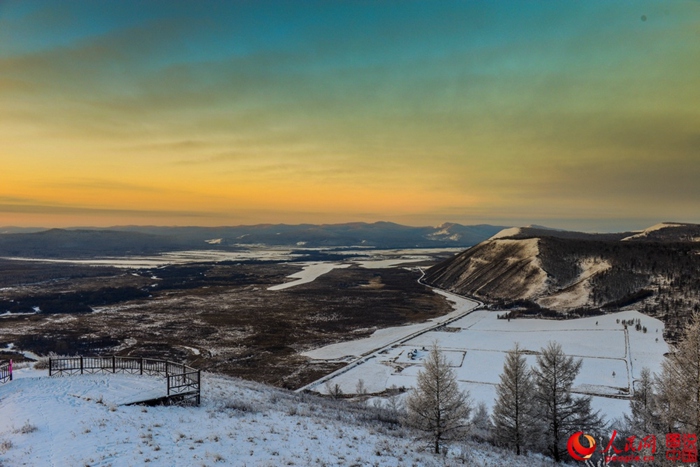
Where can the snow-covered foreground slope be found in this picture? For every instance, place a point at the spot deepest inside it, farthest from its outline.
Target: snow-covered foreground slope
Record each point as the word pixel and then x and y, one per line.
pixel 75 421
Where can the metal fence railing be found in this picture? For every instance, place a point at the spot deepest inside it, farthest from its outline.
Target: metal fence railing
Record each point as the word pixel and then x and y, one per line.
pixel 5 372
pixel 183 383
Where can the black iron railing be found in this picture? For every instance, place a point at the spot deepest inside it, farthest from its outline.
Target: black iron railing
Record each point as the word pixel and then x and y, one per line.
pixel 5 372
pixel 183 383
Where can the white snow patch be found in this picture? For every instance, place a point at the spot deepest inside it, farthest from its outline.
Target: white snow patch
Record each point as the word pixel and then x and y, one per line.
pixel 310 272
pixel 577 294
pixel 389 263
pixel 444 233
pixel 193 350
pixel 8 314
pixel 28 354
pixel 509 232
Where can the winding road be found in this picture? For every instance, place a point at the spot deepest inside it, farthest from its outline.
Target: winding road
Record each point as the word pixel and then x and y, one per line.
pixel 462 307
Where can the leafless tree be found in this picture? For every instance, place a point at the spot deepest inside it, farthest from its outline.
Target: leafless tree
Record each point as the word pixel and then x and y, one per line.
pixel 644 417
pixel 678 385
pixel 333 390
pixel 394 403
pixel 481 426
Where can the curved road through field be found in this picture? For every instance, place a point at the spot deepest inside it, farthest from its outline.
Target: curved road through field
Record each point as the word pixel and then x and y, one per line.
pixel 463 306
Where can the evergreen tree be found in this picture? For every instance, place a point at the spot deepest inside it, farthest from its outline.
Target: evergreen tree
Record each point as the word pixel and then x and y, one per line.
pixel 561 412
pixel 514 415
pixel 436 405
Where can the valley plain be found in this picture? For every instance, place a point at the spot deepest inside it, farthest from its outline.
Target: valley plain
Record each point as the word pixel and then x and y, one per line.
pixel 214 311
pixel 296 317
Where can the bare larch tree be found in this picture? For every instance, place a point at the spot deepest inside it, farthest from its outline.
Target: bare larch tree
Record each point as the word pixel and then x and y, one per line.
pixel 643 417
pixel 562 413
pixel 515 419
pixel 679 383
pixel 437 406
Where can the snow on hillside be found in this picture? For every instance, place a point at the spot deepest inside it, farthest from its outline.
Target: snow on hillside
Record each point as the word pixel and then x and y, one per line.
pixel 653 228
pixel 579 292
pixel 77 420
pixel 510 232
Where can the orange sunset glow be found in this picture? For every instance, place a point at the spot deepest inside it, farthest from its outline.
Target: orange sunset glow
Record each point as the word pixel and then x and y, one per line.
pixel 180 113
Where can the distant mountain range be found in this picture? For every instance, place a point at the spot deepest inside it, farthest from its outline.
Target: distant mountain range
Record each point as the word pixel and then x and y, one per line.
pixel 538 270
pixel 134 240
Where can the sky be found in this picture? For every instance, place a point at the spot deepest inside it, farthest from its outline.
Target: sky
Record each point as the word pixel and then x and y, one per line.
pixel 577 114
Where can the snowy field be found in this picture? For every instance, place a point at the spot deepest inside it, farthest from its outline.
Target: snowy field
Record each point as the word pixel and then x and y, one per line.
pixel 390 263
pixel 476 346
pixel 312 270
pixel 372 258
pixel 77 421
pixel 309 273
pixel 381 338
pixel 176 257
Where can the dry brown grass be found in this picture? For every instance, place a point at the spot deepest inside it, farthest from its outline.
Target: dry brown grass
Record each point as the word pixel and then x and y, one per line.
pixel 225 312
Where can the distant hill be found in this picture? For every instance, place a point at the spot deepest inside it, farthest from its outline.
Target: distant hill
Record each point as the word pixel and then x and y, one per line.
pixel 11 230
pixel 60 243
pixel 667 232
pixel 375 235
pixel 656 271
pixel 133 240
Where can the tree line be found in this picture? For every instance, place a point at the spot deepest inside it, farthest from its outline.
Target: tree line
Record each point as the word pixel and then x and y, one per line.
pixel 536 411
pixel 669 402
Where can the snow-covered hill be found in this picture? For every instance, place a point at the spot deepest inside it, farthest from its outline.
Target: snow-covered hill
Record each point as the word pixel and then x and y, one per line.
pixel 667 231
pixel 655 270
pixel 74 421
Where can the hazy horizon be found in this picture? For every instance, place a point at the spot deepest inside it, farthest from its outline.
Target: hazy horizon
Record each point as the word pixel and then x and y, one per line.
pixel 585 225
pixel 580 116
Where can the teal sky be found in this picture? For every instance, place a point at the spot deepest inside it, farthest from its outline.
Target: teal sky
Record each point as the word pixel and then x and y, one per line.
pixel 577 114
